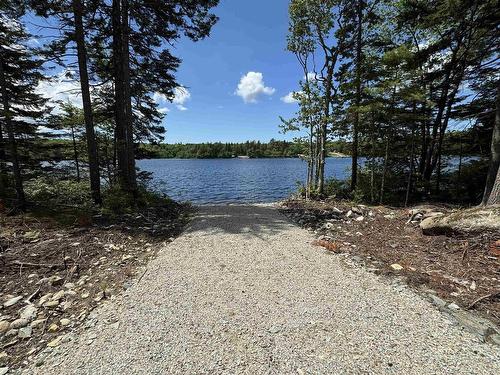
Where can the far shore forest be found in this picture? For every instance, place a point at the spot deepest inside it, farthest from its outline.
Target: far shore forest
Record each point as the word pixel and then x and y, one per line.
pixel 403 84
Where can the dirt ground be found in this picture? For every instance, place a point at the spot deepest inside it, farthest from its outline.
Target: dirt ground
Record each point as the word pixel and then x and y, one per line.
pixel 464 269
pixel 60 273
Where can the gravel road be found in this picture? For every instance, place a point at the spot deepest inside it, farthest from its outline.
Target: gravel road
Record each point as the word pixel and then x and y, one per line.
pixel 242 291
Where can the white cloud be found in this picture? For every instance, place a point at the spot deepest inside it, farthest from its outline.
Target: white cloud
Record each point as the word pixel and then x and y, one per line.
pixel 288 98
pixel 64 86
pixel 251 86
pixel 311 77
pixel 181 96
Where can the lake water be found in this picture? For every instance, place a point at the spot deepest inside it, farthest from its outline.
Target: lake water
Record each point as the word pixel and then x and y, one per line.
pixel 203 181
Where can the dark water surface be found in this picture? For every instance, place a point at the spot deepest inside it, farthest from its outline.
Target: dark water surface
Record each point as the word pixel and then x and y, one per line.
pixel 204 181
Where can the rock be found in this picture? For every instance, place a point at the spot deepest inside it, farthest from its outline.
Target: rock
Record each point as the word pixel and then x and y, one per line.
pixel 56 280
pixel 453 306
pixel 11 332
pixel 85 295
pixel 65 322
pixel 473 220
pixel 360 218
pixel 473 285
pixel 357 210
pixel 31 235
pixel 4 370
pixel 44 299
pixel 349 213
pixel 56 342
pixel 58 295
pixel 29 312
pixel 4 326
pixel 52 303
pixel 37 323
pixel 12 301
pixel 397 267
pixel 274 329
pixel 53 328
pixel 69 286
pixel 19 323
pixel 25 332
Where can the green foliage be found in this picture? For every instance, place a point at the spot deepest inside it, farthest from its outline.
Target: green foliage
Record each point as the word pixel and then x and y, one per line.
pixel 339 189
pixel 51 191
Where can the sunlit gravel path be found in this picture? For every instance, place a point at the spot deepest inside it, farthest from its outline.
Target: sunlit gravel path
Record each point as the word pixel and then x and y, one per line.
pixel 242 291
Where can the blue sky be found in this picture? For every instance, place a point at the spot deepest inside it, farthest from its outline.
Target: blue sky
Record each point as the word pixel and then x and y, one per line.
pixel 249 37
pixel 248 41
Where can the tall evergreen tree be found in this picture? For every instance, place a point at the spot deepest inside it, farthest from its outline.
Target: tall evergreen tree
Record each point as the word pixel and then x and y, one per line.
pixel 20 106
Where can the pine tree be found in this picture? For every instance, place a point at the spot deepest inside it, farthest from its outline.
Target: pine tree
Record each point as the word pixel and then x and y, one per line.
pixel 20 107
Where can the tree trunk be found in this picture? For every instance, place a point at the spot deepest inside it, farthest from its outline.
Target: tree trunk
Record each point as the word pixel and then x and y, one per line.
pixel 16 168
pixel 128 99
pixel 324 129
pixel 95 180
pixel 3 171
pixel 410 172
pixel 355 130
pixel 492 189
pixel 384 171
pixel 75 153
pixel 119 109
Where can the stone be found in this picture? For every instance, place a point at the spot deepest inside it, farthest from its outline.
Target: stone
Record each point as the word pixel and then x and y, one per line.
pixel 11 332
pixel 44 299
pixel 4 326
pixel 53 303
pixel 65 322
pixel 58 295
pixel 3 357
pixel 473 285
pixel 349 213
pixel 25 332
pixel 56 342
pixel 56 280
pixel 12 301
pixel 37 323
pixel 29 312
pixel 357 210
pixel 4 370
pixel 453 306
pixel 19 323
pixel 69 286
pixel 85 295
pixel 437 301
pixel 397 267
pixel 360 218
pixel 53 328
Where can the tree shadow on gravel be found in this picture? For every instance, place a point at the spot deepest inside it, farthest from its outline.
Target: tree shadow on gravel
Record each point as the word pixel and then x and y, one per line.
pixel 248 220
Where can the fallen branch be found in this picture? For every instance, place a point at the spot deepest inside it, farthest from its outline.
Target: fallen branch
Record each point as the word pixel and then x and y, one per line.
pixel 488 296
pixel 27 264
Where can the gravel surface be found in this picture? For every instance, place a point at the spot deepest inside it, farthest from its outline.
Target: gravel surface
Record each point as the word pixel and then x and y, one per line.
pixel 242 291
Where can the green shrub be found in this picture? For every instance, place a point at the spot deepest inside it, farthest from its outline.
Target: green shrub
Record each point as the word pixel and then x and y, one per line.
pixel 46 190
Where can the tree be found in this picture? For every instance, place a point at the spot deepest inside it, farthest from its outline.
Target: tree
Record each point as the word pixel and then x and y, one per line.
pixel 70 15
pixel 72 120
pixel 492 190
pixel 317 26
pixel 21 107
pixel 140 29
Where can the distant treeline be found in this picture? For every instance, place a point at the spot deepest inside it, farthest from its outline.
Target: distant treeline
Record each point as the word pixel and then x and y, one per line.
pixel 252 149
pixel 464 143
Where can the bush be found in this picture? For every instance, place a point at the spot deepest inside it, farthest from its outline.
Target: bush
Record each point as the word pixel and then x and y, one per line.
pixel 46 190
